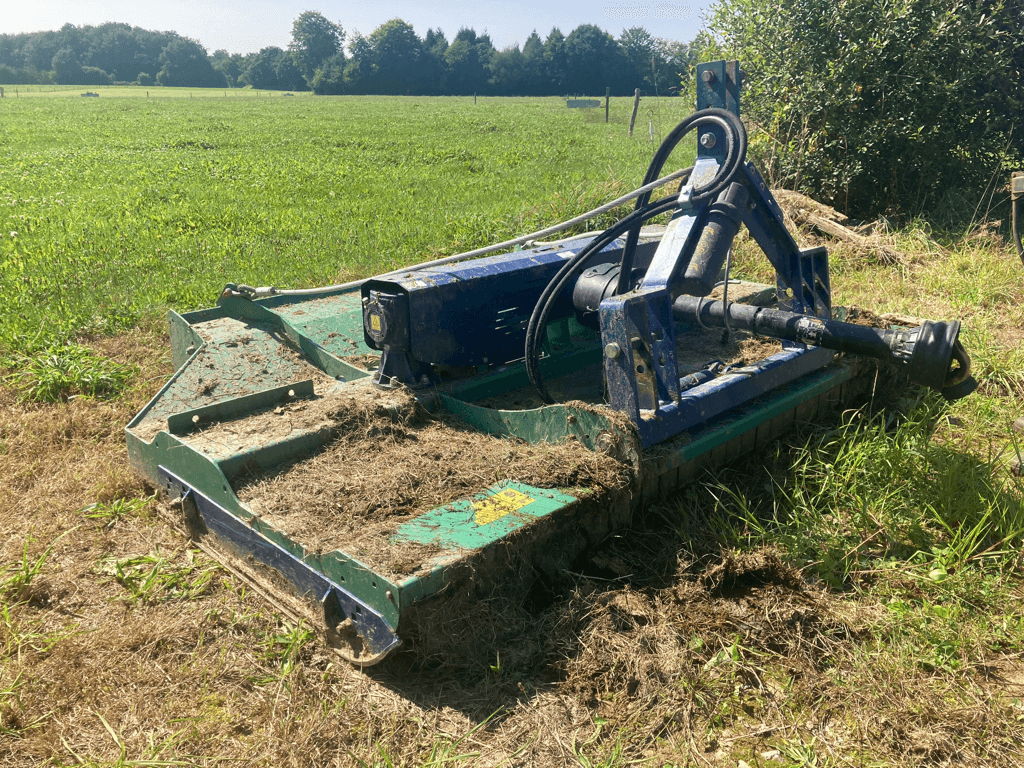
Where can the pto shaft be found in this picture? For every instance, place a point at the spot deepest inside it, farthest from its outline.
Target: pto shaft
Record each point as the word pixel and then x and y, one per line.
pixel 932 353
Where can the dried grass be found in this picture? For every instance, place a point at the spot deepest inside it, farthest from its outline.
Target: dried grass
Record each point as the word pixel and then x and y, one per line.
pixel 655 650
pixel 388 461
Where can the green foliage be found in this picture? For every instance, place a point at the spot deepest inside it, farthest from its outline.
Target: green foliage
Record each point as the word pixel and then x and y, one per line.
pixel 60 371
pixel 283 648
pixel 109 512
pixel 184 63
pixel 17 583
pixel 86 55
pixel 315 39
pixel 871 492
pixel 391 60
pixel 879 105
pixel 154 577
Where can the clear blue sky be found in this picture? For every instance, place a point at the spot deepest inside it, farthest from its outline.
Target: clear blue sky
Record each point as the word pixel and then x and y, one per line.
pixel 244 26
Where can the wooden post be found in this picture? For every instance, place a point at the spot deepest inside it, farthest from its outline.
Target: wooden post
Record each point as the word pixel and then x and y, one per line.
pixel 607 96
pixel 636 106
pixel 474 99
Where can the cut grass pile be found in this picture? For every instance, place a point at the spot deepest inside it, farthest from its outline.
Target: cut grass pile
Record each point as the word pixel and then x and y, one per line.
pixel 850 596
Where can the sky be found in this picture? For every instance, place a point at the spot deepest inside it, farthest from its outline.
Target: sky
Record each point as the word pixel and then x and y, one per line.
pixel 246 26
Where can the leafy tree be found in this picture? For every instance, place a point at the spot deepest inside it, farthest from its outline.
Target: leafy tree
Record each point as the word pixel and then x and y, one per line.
pixel 534 81
pixel 264 69
pixel 466 59
pixel 329 79
pixel 359 70
pixel 314 41
pixel 508 71
pixel 65 66
pixel 675 67
pixel 67 71
pixel 433 77
pixel 94 76
pixel 556 67
pixel 396 55
pixel 289 76
pixel 74 39
pixel 880 105
pixel 594 61
pixel 149 46
pixel 228 65
pixel 644 56
pixel 184 63
pixel 115 48
pixel 10 52
pixel 39 50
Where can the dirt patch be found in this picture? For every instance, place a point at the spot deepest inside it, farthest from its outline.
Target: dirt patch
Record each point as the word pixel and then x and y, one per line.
pixel 387 461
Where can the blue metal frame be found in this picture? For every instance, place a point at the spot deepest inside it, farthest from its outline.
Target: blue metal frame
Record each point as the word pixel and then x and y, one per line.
pixel 472 313
pixel 638 329
pixel 337 603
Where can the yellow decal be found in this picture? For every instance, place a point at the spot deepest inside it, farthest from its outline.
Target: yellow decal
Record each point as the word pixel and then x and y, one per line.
pixel 500 504
pixel 375 323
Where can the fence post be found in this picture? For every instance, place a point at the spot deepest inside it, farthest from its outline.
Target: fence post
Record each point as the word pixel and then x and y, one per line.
pixel 607 96
pixel 636 106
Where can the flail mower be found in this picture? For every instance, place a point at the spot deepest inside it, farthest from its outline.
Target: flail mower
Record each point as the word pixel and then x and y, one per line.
pixel 365 451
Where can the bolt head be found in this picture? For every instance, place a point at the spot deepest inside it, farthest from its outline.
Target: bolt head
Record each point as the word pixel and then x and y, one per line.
pixel 612 351
pixel 708 140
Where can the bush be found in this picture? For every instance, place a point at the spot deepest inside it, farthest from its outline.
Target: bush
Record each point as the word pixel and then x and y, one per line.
pixel 879 105
pixel 144 78
pixel 95 76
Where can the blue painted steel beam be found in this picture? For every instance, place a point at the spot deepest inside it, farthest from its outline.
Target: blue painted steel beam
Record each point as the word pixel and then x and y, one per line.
pixel 337 603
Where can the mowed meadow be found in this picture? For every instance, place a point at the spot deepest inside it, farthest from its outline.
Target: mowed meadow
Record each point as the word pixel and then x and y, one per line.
pixel 112 208
pixel 850 596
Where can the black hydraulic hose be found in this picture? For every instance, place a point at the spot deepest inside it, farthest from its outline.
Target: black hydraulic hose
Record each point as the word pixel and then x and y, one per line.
pixel 539 318
pixel 736 151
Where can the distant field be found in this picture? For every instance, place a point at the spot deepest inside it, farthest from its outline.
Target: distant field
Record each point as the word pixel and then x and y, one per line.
pixel 115 208
pixel 140 92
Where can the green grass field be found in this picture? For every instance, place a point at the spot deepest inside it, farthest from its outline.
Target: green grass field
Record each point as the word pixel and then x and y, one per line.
pixel 851 596
pixel 111 209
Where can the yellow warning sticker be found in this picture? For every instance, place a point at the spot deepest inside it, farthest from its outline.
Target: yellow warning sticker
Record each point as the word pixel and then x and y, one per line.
pixel 375 323
pixel 500 504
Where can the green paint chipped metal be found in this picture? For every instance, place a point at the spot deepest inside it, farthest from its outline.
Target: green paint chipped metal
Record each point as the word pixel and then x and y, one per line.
pixel 489 516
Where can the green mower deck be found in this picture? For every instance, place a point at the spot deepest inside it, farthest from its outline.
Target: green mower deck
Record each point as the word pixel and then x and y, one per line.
pixel 354 506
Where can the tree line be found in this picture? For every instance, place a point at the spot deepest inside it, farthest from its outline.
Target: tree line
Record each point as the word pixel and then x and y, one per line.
pixel 392 59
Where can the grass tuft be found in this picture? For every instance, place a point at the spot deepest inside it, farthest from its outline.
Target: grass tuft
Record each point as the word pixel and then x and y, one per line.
pixel 59 372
